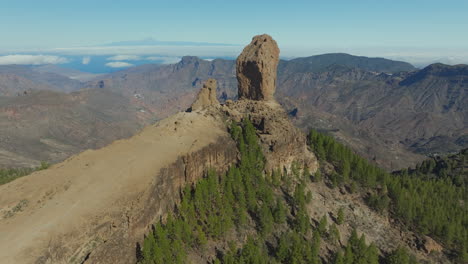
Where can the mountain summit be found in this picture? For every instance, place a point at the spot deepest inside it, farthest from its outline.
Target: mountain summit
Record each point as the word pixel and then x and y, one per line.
pixel 96 206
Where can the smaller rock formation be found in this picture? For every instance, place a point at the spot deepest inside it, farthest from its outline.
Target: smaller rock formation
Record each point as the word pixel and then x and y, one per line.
pixel 256 69
pixel 206 97
pixel 431 245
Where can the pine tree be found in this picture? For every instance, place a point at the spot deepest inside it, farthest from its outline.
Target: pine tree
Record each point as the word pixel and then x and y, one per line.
pixel 315 249
pixel 322 227
pixel 339 259
pixel 334 234
pixel 280 212
pixel 340 217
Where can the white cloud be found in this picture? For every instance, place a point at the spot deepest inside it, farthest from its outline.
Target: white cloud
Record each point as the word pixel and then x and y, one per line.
pixel 124 58
pixel 31 59
pixel 86 60
pixel 119 64
pixel 165 60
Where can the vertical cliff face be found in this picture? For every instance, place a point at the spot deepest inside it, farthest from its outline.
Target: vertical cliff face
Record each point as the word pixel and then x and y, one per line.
pixel 161 197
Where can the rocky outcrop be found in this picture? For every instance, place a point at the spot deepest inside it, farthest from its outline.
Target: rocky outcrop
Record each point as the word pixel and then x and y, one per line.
pixel 283 144
pixel 256 69
pixel 206 97
pixel 430 245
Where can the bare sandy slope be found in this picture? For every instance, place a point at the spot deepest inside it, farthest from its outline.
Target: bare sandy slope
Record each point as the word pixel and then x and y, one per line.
pixel 66 202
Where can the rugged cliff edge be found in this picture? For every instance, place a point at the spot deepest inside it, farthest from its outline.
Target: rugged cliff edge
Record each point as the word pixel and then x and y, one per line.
pixel 97 205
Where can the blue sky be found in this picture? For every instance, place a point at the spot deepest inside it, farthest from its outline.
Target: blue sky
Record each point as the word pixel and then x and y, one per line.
pixel 391 28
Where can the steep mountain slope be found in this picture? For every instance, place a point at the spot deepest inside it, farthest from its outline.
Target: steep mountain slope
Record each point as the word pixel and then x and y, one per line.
pixel 51 126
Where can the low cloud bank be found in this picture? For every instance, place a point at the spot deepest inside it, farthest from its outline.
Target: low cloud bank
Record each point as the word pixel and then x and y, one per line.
pixel 124 58
pixel 163 59
pixel 118 64
pixel 31 59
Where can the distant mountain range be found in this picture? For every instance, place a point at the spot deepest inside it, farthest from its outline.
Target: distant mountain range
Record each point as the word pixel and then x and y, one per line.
pixel 19 78
pixel 321 63
pixel 389 111
pixel 51 126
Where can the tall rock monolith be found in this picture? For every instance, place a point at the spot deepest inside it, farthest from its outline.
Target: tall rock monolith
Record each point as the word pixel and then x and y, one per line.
pixel 256 69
